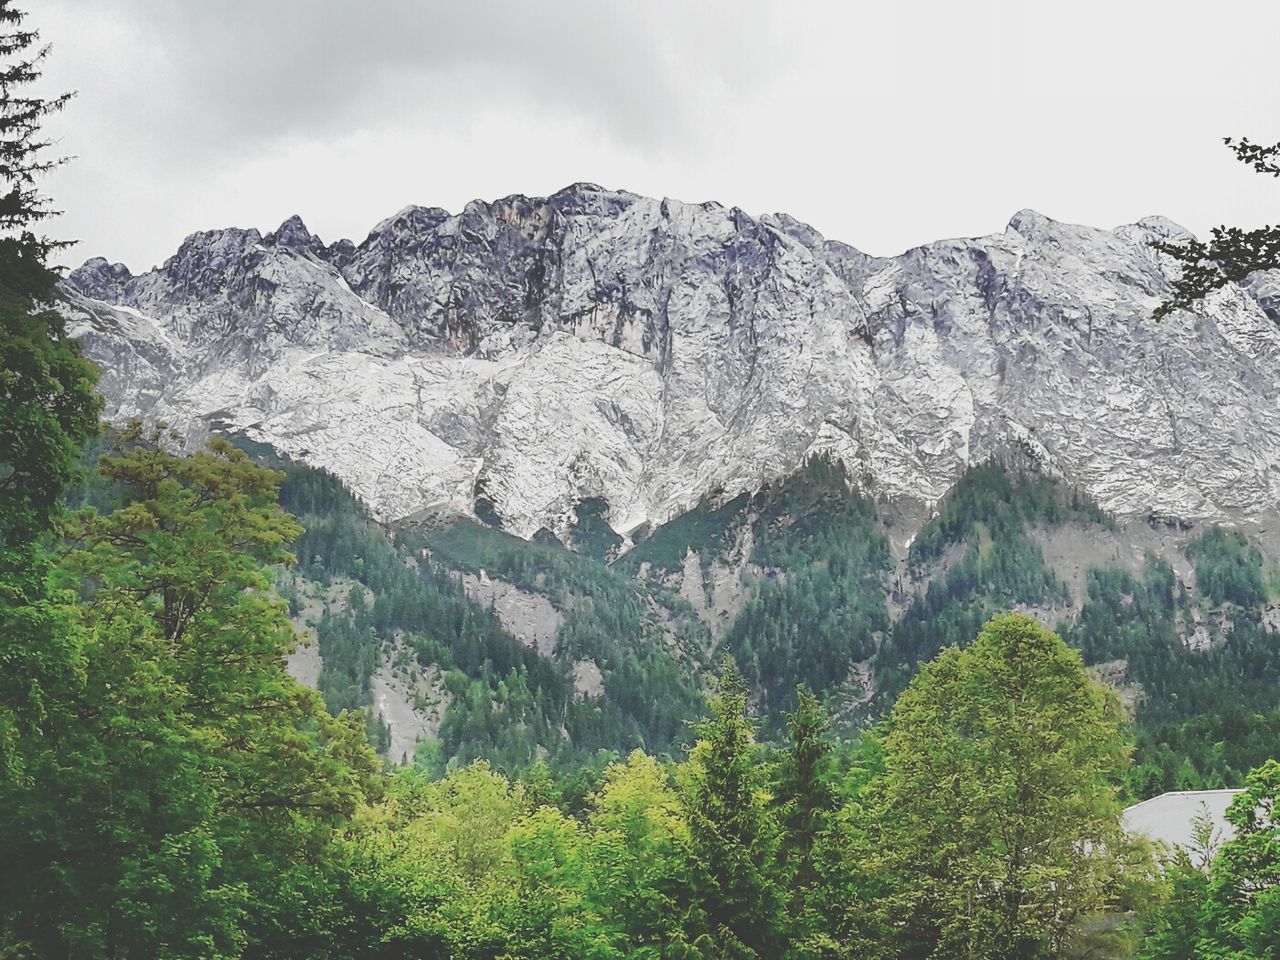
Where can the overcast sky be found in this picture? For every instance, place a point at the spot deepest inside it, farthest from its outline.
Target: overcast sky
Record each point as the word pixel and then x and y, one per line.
pixel 883 124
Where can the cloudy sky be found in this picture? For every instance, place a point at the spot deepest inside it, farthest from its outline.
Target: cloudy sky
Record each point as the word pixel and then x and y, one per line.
pixel 883 124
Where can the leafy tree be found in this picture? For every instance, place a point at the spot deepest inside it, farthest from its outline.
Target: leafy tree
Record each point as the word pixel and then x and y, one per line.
pixel 550 910
pixel 1177 925
pixel 437 863
pixel 638 856
pixel 1232 253
pixel 996 822
pixel 1242 915
pixel 1226 903
pixel 181 774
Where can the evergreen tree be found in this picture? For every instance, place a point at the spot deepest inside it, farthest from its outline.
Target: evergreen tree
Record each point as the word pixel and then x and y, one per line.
pixel 47 406
pixel 804 794
pixel 23 152
pixel 733 837
pixel 806 801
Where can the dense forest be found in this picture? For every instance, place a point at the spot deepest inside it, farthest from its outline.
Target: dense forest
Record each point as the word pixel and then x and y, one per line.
pixel 816 602
pixel 176 793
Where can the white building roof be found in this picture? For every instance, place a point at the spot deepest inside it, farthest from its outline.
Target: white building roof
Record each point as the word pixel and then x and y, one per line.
pixel 1170 817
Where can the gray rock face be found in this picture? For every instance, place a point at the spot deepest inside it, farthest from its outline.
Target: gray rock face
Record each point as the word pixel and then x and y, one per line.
pixel 533 353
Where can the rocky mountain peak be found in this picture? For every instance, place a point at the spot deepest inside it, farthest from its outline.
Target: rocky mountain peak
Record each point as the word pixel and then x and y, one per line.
pixel 293 233
pixel 534 353
pixel 99 279
pixel 1031 224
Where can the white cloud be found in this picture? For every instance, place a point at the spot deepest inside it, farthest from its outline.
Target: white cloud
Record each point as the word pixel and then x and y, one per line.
pixel 883 125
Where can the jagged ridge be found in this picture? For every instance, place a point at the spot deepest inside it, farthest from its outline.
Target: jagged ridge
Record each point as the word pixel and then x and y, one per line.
pixel 533 353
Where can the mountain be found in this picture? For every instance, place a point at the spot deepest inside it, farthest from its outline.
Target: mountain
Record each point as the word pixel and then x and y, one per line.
pixel 528 356
pixel 646 434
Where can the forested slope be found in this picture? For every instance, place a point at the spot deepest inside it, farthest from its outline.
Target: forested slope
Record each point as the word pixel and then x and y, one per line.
pixel 805 582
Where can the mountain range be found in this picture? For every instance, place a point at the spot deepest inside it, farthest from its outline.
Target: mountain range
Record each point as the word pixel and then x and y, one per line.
pixel 527 355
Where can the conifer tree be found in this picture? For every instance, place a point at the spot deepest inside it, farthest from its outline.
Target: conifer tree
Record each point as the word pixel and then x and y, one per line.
pixel 47 405
pixel 805 796
pixel 733 836
pixel 24 156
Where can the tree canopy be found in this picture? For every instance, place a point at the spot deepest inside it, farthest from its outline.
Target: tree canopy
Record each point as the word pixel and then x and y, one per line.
pixel 997 816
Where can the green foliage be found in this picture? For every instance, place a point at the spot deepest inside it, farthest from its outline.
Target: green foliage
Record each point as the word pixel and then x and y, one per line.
pixel 820 608
pixel 805 795
pixel 649 690
pixel 1232 253
pixel 389 593
pixel 167 790
pixel 1199 722
pixel 638 855
pixel 47 410
pixel 1228 907
pixel 47 405
pixel 179 770
pixel 591 532
pixel 733 836
pixel 704 529
pixel 996 817
pixel 989 502
pixel 507 703
pixel 23 160
pixel 984 525
pixel 1208 752
pixel 806 802
pixel 1228 569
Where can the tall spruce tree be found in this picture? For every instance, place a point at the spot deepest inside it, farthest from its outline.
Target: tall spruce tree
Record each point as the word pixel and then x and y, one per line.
pixel 48 408
pixel 24 156
pixel 804 796
pixel 47 405
pixel 733 835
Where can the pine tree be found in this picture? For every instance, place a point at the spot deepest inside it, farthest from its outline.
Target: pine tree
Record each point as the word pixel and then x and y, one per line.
pixel 47 407
pixel 733 835
pixel 23 150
